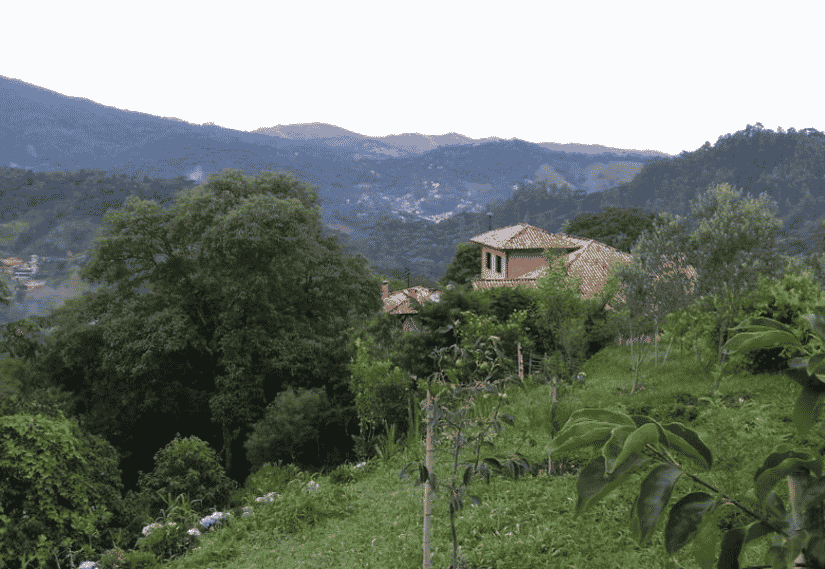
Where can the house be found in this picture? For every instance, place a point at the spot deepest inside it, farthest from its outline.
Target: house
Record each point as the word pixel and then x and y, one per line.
pixel 514 256
pixel 399 303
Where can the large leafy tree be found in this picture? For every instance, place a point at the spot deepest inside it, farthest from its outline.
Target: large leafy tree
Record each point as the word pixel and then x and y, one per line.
pixel 729 239
pixel 465 266
pixel 236 281
pixel 615 226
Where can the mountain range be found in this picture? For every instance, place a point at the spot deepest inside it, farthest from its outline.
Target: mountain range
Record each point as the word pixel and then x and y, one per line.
pixel 403 201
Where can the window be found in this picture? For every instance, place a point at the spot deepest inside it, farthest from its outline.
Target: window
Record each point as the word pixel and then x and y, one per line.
pixel 489 261
pixel 498 263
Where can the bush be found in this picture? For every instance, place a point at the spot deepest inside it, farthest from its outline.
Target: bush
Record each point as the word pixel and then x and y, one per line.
pixel 381 390
pixel 120 559
pixel 290 429
pixel 67 481
pixel 189 467
pixel 341 475
pixel 787 301
pixel 269 478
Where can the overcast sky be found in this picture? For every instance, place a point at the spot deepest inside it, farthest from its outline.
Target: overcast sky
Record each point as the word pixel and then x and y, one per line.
pixel 643 75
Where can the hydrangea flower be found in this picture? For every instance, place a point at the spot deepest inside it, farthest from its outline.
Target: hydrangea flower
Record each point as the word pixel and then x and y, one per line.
pixel 208 521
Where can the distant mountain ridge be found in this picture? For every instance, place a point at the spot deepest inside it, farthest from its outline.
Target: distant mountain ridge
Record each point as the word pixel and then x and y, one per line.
pixel 413 175
pixel 415 143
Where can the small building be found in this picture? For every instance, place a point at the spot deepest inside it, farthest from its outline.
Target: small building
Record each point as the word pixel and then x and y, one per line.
pixel 399 303
pixel 514 256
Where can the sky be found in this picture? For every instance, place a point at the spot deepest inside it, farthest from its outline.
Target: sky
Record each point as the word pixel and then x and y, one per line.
pixel 636 75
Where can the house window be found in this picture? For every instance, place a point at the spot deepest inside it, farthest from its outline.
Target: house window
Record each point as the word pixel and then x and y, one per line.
pixel 489 261
pixel 498 263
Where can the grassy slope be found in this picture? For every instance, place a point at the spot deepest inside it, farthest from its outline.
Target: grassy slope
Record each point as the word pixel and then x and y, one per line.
pixel 377 521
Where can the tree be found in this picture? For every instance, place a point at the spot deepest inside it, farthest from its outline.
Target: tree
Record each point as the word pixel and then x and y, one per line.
pixel 657 282
pixel 236 276
pixel 465 266
pixel 730 240
pixel 614 226
pixel 6 290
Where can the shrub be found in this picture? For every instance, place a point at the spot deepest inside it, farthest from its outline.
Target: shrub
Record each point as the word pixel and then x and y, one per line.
pixel 119 559
pixel 381 391
pixel 290 428
pixel 67 481
pixel 189 467
pixel 341 475
pixel 269 478
pixel 787 301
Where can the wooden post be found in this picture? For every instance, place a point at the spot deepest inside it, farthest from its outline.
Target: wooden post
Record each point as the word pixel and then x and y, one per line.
pixel 553 401
pixel 428 493
pixel 520 364
pixel 530 365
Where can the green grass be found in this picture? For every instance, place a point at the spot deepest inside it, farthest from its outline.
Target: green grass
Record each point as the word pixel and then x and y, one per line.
pixel 376 521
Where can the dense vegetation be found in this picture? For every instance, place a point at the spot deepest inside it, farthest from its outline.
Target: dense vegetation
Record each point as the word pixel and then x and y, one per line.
pixel 111 365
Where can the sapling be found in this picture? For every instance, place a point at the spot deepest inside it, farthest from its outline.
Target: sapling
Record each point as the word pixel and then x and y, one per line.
pixel 632 442
pixel 453 393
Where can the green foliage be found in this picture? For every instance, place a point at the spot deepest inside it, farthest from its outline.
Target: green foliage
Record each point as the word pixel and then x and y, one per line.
pixel 270 478
pixel 511 333
pixel 66 481
pixel 614 226
pixel 380 388
pixel 465 266
pixel 190 467
pixel 341 475
pixel 631 443
pixel 290 427
pixel 787 300
pixel 452 405
pixel 119 559
pixel 166 541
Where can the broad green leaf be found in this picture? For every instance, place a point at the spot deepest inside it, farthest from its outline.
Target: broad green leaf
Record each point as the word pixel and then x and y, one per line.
pixel 814 494
pixel 704 546
pixel 756 340
pixel 777 556
pixel 813 382
pixel 581 435
pixel 654 495
pixel 688 443
pixel 640 420
pixel 807 409
pixel 760 324
pixel 635 443
pixel 731 548
pixel 686 515
pixel 592 485
pixel 770 473
pixel 756 530
pixel 613 447
pixel 599 416
pixel 816 550
pixel 774 508
pixel 816 363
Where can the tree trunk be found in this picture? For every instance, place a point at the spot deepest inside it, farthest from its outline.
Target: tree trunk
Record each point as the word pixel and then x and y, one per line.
pixel 797 520
pixel 428 492
pixel 554 399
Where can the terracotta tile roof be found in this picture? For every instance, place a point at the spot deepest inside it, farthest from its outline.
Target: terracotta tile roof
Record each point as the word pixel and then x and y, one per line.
pixel 399 301
pixel 525 236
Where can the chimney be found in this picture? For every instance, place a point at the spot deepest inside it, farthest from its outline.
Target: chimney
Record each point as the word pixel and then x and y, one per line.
pixel 385 290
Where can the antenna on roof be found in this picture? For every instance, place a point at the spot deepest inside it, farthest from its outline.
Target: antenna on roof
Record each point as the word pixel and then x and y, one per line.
pixel 489 221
